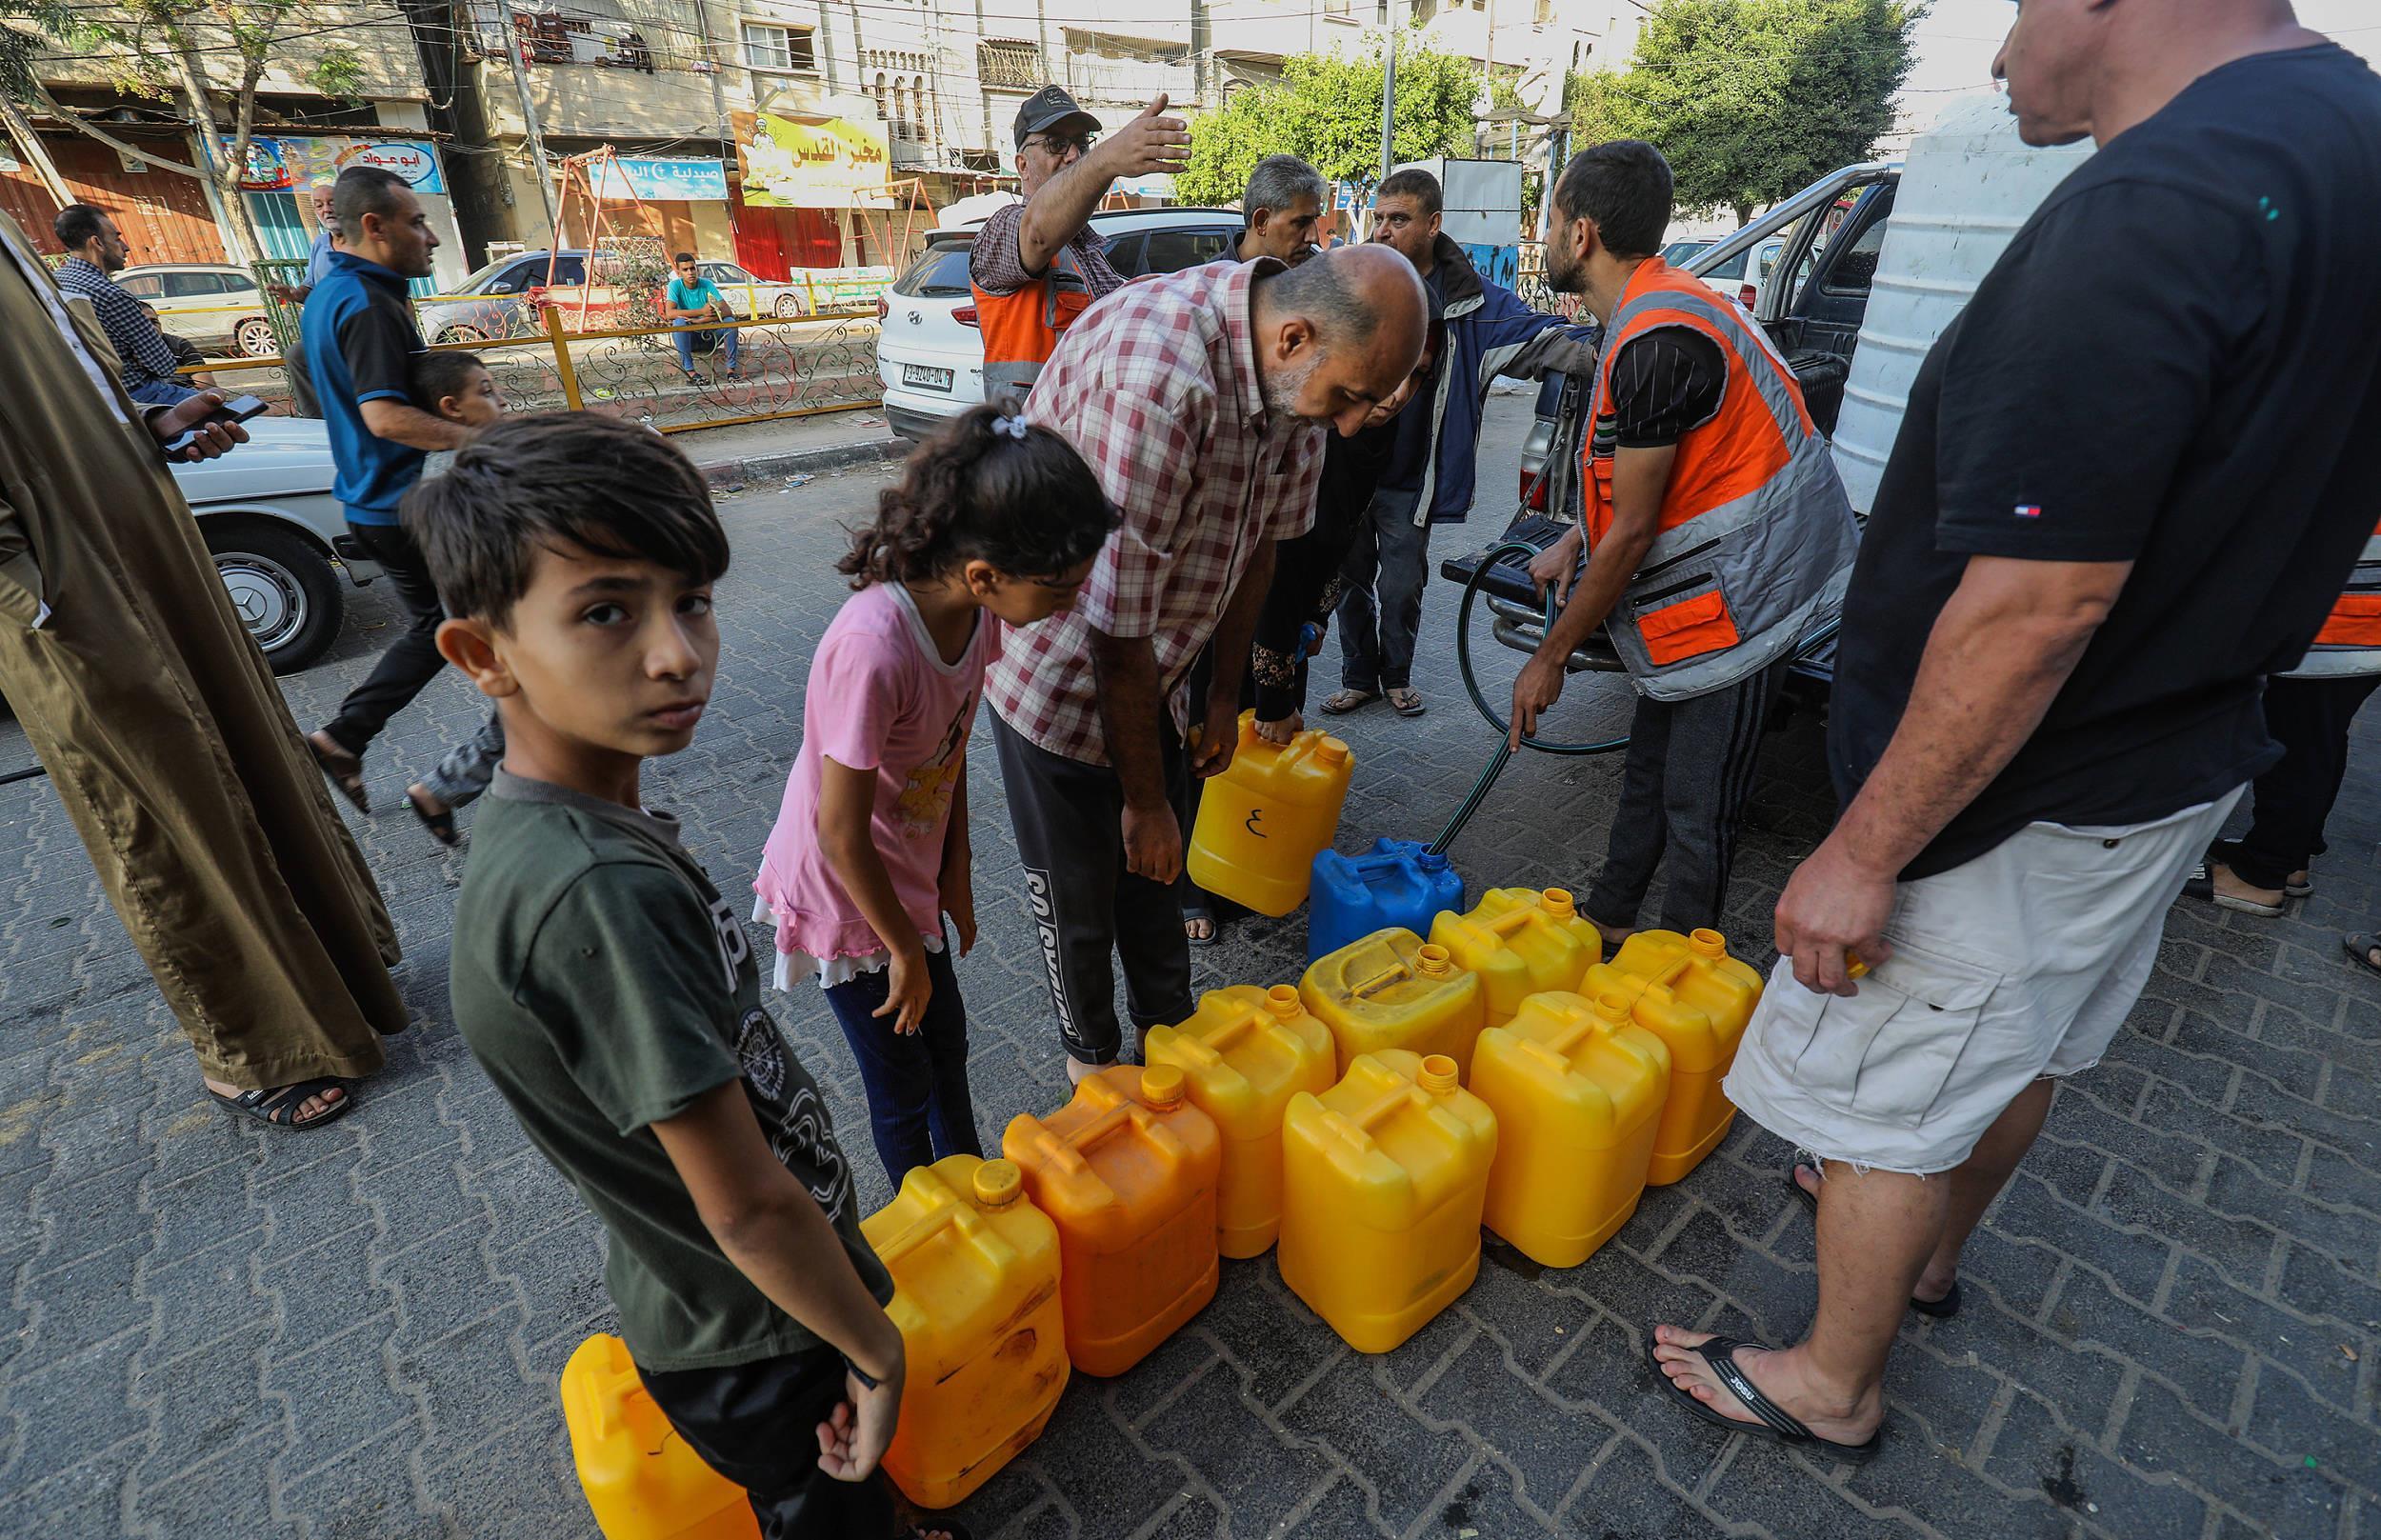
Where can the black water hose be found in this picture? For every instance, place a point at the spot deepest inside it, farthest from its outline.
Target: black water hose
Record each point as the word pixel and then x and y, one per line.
pixel 1497 761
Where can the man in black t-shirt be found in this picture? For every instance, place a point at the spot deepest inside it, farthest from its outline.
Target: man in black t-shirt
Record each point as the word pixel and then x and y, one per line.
pixel 2131 479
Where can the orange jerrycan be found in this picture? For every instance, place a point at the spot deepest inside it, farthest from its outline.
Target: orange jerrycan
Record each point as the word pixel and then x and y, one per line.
pixel 1262 822
pixel 1127 1172
pixel 1697 999
pixel 1242 1055
pixel 1521 942
pixel 976 1294
pixel 640 1477
pixel 1578 1090
pixel 1383 1178
pixel 1393 989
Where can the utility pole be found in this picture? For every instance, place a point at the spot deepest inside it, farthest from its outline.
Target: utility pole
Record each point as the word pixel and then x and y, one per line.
pixel 1389 93
pixel 528 119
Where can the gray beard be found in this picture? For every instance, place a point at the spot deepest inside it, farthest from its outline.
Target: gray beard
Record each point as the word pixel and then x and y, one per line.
pixel 1281 392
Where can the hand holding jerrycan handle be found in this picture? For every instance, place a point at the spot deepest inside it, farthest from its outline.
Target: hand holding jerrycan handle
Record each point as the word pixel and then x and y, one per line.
pixel 1263 821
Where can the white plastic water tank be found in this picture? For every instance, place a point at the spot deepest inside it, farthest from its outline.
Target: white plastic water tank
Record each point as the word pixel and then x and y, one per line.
pixel 1967 186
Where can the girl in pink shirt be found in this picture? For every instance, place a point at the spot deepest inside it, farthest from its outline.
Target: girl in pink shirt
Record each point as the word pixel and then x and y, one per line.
pixel 993 521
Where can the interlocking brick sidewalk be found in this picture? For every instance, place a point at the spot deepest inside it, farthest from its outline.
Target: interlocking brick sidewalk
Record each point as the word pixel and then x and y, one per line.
pixel 212 1330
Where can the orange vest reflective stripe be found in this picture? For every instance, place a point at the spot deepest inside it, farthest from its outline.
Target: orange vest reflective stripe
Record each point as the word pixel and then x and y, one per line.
pixel 2349 642
pixel 1020 329
pixel 1755 541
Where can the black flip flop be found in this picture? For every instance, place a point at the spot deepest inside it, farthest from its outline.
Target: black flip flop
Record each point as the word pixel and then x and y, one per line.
pixel 1412 705
pixel 1199 909
pixel 2359 949
pixel 1940 1310
pixel 441 826
pixel 279 1108
pixel 347 782
pixel 1777 1423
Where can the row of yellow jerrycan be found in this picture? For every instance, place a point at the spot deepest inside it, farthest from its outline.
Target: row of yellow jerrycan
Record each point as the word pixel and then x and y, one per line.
pixel 1370 1119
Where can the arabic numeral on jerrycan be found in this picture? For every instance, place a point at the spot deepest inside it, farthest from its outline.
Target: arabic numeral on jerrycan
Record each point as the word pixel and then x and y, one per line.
pixel 1127 1171
pixel 976 1294
pixel 643 1481
pixel 1262 821
pixel 1384 1177
pixel 1242 1055
pixel 1688 991
pixel 1577 1091
pixel 1393 989
pixel 1521 942
pixel 1398 882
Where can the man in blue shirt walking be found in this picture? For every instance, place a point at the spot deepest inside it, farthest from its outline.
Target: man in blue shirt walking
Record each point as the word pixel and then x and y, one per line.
pixel 691 300
pixel 359 339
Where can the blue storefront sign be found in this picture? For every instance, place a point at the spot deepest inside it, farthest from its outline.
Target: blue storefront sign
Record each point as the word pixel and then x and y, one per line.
pixel 661 179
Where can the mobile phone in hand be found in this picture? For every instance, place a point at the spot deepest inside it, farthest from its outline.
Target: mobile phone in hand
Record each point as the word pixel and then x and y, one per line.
pixel 238 410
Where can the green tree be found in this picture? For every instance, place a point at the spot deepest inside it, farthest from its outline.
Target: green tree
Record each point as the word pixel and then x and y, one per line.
pixel 1753 99
pixel 1328 109
pixel 205 58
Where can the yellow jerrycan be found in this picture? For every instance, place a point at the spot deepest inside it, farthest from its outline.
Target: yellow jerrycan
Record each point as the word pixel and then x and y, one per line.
pixel 1578 1090
pixel 976 1294
pixel 642 1480
pixel 1242 1055
pixel 1127 1172
pixel 1521 942
pixel 1688 991
pixel 1393 989
pixel 1262 823
pixel 1383 1180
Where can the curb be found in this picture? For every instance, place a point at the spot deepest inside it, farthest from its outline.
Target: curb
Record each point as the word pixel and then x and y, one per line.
pixel 726 474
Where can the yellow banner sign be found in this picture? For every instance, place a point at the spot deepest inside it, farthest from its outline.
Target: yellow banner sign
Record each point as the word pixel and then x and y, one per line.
pixel 837 164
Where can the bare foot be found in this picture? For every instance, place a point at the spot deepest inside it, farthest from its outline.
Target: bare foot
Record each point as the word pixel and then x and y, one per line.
pixel 1779 1373
pixel 308 1111
pixel 1196 927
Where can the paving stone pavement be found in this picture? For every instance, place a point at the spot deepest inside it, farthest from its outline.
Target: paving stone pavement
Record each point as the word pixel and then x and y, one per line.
pixel 209 1329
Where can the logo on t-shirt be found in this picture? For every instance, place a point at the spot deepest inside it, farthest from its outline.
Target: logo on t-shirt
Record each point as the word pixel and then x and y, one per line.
pixel 734 946
pixel 795 1121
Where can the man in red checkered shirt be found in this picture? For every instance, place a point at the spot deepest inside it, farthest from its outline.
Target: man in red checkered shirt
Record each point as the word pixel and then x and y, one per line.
pixel 1200 400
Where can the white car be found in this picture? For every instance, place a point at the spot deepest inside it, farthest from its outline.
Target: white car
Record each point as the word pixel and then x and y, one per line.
pixel 214 304
pixel 279 537
pixel 930 354
pixel 1738 279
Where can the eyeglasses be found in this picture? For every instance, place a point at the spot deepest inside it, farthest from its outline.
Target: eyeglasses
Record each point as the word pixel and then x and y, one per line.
pixel 1058 144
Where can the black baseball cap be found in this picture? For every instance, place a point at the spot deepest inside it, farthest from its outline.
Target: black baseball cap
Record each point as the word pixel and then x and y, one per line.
pixel 1051 107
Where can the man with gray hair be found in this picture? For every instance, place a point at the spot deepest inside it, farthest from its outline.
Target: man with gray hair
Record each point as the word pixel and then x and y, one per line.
pixel 317 268
pixel 1283 206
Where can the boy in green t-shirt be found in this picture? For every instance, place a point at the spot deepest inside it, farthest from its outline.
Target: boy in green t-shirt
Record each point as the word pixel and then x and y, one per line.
pixel 611 994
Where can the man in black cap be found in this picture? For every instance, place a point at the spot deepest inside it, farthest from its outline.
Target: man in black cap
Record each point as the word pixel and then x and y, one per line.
pixel 1036 264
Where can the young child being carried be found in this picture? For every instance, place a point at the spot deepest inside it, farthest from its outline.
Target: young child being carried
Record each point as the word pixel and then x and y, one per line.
pixel 458 386
pixel 611 993
pixel 993 520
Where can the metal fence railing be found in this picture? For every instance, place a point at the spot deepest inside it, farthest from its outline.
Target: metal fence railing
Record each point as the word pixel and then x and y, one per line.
pixel 790 367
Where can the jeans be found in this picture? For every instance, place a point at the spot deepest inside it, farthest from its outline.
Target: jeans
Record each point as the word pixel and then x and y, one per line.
pixel 1681 794
pixel 919 1109
pixel 469 766
pixel 2310 718
pixel 1382 608
pixel 161 392
pixel 1086 907
pixel 690 333
pixel 756 1424
pixel 410 661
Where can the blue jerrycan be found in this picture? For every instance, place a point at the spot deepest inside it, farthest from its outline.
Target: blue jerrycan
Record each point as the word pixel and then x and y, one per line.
pixel 1397 883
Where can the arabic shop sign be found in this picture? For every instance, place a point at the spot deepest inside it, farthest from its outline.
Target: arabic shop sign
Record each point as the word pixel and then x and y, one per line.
pixel 661 179
pixel 838 164
pixel 276 165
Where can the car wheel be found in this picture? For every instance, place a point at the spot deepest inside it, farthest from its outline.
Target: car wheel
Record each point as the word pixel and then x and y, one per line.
pixel 788 306
pixel 254 338
pixel 461 333
pixel 283 589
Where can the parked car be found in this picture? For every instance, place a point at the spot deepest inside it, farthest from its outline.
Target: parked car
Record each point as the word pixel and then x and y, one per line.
pixel 502 299
pixel 754 298
pixel 1678 252
pixel 278 536
pixel 930 354
pixel 215 304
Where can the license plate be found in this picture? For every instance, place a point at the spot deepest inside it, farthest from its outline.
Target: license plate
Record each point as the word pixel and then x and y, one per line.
pixel 926 378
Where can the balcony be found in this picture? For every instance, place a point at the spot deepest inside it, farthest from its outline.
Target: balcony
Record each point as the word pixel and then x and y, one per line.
pixel 1159 22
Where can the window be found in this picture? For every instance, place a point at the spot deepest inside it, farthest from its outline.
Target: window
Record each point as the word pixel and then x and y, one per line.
pixel 1855 268
pixel 1125 254
pixel 1171 250
pixel 1010 66
pixel 1338 8
pixel 146 286
pixel 725 272
pixel 941 273
pixel 785 49
pixel 191 284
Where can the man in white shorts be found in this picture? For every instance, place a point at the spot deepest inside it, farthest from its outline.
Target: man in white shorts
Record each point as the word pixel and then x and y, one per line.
pixel 2133 477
